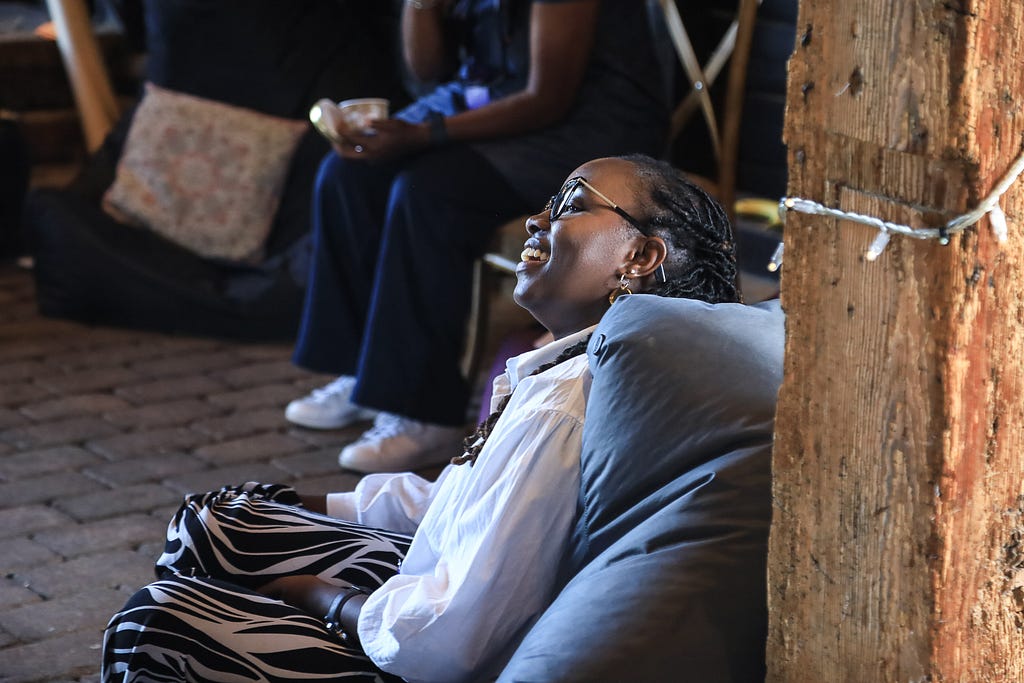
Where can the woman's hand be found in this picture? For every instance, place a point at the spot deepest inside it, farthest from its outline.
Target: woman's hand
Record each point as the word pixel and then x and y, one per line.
pixel 309 593
pixel 387 139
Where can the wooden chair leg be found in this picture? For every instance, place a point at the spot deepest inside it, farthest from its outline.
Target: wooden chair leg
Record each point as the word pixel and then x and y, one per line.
pixel 476 327
pixel 746 17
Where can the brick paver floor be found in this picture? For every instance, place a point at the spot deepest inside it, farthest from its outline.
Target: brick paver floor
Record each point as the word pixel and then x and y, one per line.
pixel 101 432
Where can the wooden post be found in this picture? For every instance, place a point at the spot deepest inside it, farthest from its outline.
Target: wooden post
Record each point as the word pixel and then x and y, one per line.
pixel 897 544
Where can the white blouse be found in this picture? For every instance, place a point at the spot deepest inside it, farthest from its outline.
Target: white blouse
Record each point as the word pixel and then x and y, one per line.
pixel 487 539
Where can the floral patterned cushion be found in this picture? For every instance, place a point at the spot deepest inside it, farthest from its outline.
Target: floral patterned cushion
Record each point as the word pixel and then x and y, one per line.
pixel 205 175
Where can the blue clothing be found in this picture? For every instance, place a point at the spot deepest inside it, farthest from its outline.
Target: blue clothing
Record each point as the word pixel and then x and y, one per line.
pixel 389 292
pixel 620 108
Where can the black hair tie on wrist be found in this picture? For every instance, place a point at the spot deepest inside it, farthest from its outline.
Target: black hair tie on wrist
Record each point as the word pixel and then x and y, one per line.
pixel 332 620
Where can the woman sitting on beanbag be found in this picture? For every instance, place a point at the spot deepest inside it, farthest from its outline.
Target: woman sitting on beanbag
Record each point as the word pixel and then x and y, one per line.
pixel 431 581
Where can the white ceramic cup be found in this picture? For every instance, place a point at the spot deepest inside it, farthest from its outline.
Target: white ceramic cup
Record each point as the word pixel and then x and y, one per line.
pixel 358 113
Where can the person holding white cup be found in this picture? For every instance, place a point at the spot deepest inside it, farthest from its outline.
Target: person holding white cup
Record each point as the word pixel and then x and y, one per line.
pixel 528 90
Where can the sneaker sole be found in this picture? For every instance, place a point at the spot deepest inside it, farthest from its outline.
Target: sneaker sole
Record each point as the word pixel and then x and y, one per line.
pixel 312 423
pixel 423 460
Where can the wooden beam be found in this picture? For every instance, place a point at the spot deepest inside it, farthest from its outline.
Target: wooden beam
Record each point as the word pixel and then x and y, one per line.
pixel 897 545
pixel 83 61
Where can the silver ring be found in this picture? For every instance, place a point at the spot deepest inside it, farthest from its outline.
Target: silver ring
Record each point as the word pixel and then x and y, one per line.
pixel 358 149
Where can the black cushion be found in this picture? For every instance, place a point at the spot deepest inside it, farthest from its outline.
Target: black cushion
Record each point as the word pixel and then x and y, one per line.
pixel 668 559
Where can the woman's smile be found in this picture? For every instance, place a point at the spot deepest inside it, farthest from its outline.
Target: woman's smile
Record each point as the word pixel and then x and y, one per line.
pixel 535 253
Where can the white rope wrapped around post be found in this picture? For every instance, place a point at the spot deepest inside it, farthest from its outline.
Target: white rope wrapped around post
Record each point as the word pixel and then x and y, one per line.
pixel 988 206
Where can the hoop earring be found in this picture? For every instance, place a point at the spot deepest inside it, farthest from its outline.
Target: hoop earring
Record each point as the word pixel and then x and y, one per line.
pixel 623 289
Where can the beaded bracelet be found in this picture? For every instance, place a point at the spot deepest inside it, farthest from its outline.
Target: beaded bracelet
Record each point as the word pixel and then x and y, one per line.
pixel 332 620
pixel 423 4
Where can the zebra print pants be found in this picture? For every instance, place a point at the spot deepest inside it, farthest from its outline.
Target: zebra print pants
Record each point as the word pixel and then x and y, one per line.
pixel 202 620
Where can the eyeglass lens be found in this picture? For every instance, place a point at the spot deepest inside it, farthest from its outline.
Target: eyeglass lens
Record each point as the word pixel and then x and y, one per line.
pixel 561 200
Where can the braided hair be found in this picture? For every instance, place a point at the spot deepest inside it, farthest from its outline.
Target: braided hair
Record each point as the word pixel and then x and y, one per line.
pixel 701 260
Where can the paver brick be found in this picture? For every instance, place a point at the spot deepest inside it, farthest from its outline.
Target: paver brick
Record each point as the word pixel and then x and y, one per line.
pixel 241 424
pixel 327 483
pixel 117 570
pixel 83 610
pixel 45 488
pixel 83 404
pixel 22 392
pixel 77 558
pixel 127 531
pixel 21 551
pixel 150 442
pixel 172 344
pixel 169 414
pixel 307 383
pixel 121 350
pixel 212 480
pixel 261 373
pixel 263 351
pixel 18 350
pixel 188 363
pixel 109 503
pixel 12 595
pixel 63 657
pixel 34 463
pixel 10 418
pixel 329 438
pixel 311 463
pixel 267 444
pixel 5 640
pixel 72 430
pixel 39 328
pixel 28 518
pixel 24 369
pixel 256 397
pixel 143 469
pixel 151 550
pixel 90 380
pixel 171 388
pixel 28 348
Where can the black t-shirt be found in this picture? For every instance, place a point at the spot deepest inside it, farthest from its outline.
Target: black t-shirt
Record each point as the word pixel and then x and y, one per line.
pixel 619 109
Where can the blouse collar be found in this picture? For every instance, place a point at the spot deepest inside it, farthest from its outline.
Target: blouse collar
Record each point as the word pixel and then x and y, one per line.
pixel 522 365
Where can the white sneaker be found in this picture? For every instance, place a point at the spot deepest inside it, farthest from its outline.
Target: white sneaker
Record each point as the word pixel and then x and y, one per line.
pixel 329 407
pixel 399 444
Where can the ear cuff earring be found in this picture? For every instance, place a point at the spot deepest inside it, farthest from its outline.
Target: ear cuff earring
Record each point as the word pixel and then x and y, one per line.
pixel 623 289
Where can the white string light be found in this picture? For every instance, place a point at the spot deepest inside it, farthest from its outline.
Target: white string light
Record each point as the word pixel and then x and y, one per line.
pixel 877 246
pixel 776 262
pixel 988 206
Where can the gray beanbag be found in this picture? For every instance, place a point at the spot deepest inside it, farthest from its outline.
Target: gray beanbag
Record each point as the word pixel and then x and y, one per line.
pixel 667 566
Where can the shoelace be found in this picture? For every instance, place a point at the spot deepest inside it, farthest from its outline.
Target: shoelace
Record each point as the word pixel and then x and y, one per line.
pixel 338 386
pixel 387 425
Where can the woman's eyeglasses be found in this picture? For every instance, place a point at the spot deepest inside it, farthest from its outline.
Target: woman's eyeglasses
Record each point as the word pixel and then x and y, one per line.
pixel 560 202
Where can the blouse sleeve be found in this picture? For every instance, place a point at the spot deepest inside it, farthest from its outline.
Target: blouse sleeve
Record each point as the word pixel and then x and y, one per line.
pixel 487 573
pixel 396 502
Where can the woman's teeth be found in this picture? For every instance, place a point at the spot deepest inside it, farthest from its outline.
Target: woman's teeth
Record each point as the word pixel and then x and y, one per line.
pixel 531 254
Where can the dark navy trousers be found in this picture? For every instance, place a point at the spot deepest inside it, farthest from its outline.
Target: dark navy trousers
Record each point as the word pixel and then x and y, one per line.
pixel 389 290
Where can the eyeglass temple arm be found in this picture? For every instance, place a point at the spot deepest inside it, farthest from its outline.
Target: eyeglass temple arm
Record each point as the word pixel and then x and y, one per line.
pixel 659 273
